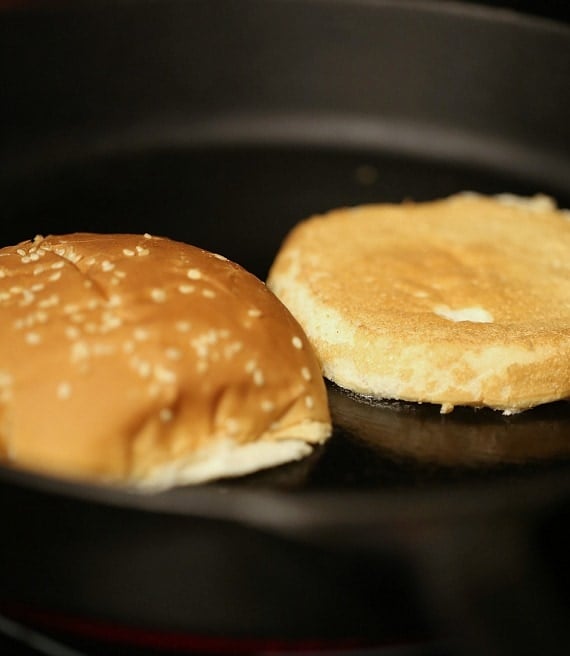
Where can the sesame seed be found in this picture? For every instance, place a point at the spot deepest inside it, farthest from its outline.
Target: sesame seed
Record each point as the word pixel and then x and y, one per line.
pixel 208 293
pixel 258 377
pixel 39 269
pixel 305 373
pixel 28 322
pixel 63 390
pixel 55 276
pixel 142 251
pixel 140 334
pixel 194 274
pixel 186 289
pixel 201 344
pixel 33 338
pixel 79 351
pixel 158 295
pixel 297 342
pixel 21 252
pixel 111 321
pixel 71 332
pixel 25 259
pixel 144 368
pixel 49 302
pixel 154 390
pixel 182 326
pixel 40 316
pixel 254 312
pixel 103 349
pixel 309 402
pixel 2 273
pixel 267 406
pixel 72 256
pixel 147 235
pixel 164 375
pixel 114 300
pixel 27 298
pixel 88 284
pixel 128 346
pixel 119 274
pixel 220 257
pixel 250 366
pixel 128 252
pixel 166 415
pixel 58 265
pixel 107 266
pixel 38 287
pixel 231 349
pixel 34 257
pixel 232 425
pixel 173 353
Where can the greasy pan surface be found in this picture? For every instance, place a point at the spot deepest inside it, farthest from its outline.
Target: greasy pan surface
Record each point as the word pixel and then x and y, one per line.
pixel 227 147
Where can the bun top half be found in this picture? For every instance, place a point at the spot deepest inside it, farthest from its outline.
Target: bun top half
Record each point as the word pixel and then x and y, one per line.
pixel 137 359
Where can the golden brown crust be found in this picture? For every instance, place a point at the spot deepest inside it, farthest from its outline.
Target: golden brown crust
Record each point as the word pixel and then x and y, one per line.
pixel 124 356
pixel 459 301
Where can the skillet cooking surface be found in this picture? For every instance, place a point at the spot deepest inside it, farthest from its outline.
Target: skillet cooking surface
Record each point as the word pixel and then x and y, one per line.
pixel 241 201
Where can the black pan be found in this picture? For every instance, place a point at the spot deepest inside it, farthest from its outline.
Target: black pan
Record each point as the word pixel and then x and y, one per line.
pixel 223 124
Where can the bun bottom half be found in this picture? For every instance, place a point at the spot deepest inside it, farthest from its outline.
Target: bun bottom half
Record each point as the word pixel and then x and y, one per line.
pixel 461 301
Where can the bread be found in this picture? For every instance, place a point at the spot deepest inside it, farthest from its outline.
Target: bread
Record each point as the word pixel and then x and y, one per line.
pixel 142 361
pixel 461 301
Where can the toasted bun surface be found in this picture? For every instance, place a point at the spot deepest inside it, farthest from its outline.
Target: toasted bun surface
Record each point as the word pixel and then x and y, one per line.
pixel 458 301
pixel 137 359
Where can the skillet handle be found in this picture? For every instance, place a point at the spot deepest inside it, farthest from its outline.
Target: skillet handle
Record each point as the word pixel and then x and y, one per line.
pixel 488 585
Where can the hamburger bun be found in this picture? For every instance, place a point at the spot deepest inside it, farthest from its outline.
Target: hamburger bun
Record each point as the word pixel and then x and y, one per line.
pixel 461 301
pixel 143 361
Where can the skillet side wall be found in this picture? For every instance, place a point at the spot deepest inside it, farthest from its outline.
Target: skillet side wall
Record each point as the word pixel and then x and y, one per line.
pixel 423 79
pixel 199 575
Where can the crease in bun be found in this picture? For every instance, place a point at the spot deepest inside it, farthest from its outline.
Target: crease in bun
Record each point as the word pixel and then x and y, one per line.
pixel 139 360
pixel 459 301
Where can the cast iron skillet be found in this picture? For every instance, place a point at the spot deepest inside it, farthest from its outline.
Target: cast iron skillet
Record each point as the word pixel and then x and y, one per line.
pixel 223 124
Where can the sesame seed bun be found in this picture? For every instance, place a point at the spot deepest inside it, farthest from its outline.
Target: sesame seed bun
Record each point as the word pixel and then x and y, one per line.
pixel 140 360
pixel 461 301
